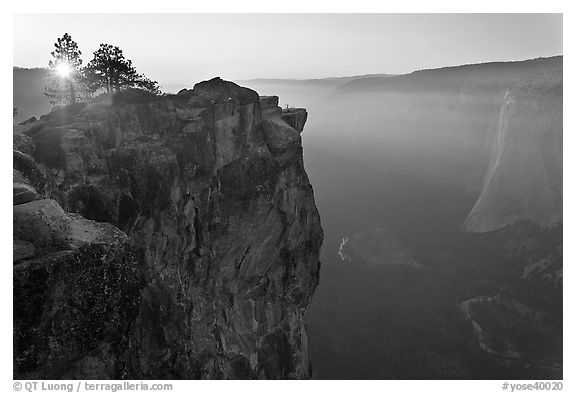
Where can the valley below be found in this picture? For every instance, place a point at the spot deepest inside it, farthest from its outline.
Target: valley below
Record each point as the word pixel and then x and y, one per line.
pixel 483 310
pixel 413 154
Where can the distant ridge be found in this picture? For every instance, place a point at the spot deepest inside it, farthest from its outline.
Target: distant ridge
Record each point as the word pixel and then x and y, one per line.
pixel 490 74
pixel 333 78
pixel 535 59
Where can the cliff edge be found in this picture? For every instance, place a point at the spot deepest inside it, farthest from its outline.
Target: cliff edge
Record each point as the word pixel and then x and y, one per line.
pixel 215 256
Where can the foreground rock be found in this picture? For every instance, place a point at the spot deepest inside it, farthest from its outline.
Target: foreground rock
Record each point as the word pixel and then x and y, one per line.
pixel 46 225
pixel 212 192
pixel 23 193
pixel 76 294
pixel 74 311
pixel 22 249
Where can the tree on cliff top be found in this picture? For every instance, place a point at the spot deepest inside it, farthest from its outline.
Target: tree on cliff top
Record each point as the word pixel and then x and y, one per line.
pixel 111 71
pixel 65 71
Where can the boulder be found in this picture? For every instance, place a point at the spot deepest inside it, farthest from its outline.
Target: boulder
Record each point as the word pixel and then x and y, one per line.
pixel 18 177
pixel 29 172
pixel 41 222
pixel 219 90
pixel 23 193
pixel 22 250
pixel 44 224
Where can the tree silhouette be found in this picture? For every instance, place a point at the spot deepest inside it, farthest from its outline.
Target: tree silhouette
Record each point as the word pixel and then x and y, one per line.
pixel 65 71
pixel 111 71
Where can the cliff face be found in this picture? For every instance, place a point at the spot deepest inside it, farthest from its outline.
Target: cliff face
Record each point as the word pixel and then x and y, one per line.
pixel 524 177
pixel 210 188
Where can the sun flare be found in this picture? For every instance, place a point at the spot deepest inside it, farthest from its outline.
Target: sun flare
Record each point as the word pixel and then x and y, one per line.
pixel 63 70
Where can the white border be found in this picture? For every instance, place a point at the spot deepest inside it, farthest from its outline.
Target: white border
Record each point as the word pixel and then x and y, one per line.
pixel 257 6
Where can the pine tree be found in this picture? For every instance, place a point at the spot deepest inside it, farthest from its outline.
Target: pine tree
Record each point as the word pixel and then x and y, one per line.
pixel 110 71
pixel 65 69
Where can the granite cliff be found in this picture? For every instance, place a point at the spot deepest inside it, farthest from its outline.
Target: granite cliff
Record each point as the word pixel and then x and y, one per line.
pixel 171 237
pixel 524 176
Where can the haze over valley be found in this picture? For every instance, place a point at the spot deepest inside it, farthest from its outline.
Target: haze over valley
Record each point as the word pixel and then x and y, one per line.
pixel 417 154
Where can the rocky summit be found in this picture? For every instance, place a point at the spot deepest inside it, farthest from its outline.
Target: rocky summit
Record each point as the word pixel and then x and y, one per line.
pixel 164 237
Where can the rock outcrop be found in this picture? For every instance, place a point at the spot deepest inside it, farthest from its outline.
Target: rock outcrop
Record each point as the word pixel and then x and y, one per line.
pixel 221 253
pixel 524 177
pixel 76 294
pixel 295 117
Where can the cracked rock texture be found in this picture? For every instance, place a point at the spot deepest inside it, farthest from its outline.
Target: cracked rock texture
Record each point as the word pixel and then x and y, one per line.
pixel 220 256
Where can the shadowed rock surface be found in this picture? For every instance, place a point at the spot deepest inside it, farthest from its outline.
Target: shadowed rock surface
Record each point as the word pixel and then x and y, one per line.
pixel 295 117
pixel 223 237
pixel 76 294
pixel 23 193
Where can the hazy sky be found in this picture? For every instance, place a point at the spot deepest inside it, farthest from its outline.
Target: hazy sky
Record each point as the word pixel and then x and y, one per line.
pixel 185 48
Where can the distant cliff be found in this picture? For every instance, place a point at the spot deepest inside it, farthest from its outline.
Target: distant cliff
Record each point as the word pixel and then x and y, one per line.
pixel 524 177
pixel 221 253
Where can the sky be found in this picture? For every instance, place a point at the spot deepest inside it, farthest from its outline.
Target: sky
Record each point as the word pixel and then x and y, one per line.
pixel 181 49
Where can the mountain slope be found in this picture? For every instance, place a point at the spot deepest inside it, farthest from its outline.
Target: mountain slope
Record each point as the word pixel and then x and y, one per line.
pixel 484 75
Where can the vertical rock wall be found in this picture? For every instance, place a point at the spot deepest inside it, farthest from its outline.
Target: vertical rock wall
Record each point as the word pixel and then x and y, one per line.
pixel 212 193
